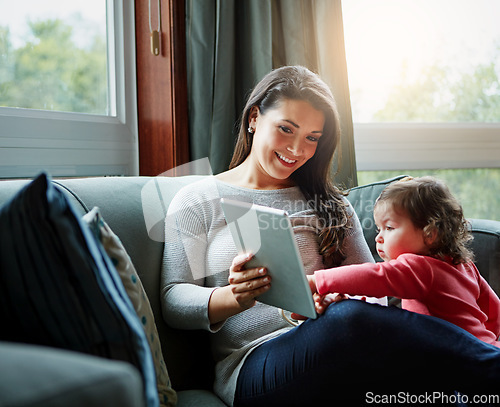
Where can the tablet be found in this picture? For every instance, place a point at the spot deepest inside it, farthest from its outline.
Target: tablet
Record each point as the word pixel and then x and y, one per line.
pixel 267 233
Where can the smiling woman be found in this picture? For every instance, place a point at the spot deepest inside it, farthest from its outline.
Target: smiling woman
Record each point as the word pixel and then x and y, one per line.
pixel 287 139
pixel 284 139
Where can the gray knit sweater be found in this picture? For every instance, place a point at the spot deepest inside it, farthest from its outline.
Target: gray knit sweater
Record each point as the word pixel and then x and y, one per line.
pixel 198 253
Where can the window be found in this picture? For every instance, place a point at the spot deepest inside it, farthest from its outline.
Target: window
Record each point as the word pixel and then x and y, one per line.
pixel 55 59
pixel 423 61
pixel 476 189
pixel 67 88
pixel 424 78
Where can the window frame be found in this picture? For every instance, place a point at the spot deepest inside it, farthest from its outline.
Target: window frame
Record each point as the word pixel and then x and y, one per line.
pixel 412 146
pixel 76 144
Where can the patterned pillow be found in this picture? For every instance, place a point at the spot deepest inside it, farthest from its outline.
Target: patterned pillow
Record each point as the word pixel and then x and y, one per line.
pixel 58 287
pixel 130 279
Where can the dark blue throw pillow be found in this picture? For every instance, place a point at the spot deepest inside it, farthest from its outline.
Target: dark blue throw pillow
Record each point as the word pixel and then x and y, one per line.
pixel 59 288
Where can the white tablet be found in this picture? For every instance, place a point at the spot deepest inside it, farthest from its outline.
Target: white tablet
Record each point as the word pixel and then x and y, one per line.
pixel 267 233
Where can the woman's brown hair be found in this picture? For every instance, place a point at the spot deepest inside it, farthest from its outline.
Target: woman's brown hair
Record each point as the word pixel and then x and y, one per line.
pixel 432 207
pixel 314 178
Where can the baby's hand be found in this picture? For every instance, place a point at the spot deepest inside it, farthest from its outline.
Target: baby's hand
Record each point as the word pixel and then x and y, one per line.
pixel 321 302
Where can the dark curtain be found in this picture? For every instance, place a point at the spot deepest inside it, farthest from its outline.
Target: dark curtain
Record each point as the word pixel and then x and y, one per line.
pixel 232 44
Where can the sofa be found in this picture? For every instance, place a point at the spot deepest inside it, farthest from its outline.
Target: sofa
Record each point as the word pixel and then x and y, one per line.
pixel 134 208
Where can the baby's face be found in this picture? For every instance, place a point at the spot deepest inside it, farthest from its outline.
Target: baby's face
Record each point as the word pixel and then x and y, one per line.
pixel 396 233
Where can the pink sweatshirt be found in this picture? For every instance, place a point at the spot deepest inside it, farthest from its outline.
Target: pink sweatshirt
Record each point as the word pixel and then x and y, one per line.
pixel 456 293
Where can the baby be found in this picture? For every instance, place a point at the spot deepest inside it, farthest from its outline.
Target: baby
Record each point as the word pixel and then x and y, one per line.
pixel 422 236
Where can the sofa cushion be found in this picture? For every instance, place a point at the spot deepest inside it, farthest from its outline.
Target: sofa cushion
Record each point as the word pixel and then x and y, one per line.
pixel 122 202
pixel 33 375
pixel 133 285
pixel 59 288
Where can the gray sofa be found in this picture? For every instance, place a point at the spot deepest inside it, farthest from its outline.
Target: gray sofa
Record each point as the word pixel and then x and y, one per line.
pixel 134 207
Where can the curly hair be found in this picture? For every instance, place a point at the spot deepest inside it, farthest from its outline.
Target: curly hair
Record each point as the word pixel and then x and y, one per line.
pixel 432 207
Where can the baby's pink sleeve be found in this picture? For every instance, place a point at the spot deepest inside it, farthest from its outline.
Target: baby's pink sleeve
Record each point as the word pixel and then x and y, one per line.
pixel 407 277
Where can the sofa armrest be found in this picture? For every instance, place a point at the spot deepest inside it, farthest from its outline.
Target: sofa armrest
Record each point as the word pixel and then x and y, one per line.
pixel 486 248
pixel 36 375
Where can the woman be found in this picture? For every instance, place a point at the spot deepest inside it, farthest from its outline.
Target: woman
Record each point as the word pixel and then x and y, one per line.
pixel 288 136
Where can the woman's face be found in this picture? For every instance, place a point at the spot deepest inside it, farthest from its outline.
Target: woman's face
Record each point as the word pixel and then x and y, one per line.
pixel 285 138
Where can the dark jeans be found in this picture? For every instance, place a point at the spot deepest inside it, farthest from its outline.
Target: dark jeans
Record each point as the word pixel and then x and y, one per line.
pixel 358 353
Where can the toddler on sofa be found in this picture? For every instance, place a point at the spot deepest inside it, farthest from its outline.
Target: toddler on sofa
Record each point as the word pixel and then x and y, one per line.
pixel 422 239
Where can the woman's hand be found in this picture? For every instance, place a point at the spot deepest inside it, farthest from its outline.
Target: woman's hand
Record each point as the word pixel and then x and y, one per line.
pixel 244 285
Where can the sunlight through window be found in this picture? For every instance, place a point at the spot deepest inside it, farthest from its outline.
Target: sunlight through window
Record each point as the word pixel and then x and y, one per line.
pixel 423 61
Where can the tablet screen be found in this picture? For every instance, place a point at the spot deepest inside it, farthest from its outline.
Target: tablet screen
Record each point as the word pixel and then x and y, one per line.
pixel 267 233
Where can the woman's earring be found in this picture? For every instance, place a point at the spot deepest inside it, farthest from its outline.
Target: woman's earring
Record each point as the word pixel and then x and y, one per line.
pixel 251 130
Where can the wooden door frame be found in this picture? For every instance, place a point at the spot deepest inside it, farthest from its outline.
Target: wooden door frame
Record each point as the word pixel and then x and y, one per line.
pixel 161 88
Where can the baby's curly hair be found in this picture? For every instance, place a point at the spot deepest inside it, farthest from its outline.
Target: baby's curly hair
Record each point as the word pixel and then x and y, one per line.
pixel 432 207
